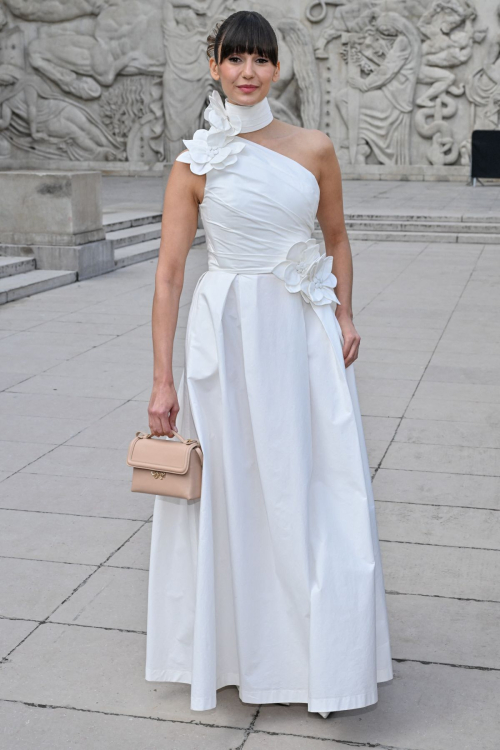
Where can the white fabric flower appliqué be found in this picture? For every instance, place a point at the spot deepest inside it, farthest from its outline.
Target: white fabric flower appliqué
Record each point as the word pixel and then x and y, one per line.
pixel 318 285
pixel 214 148
pixel 308 271
pixel 218 117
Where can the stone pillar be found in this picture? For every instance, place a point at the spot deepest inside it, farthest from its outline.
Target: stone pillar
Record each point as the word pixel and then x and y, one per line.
pixel 57 217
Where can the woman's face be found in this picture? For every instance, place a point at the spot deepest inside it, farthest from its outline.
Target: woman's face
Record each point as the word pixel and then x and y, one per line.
pixel 245 78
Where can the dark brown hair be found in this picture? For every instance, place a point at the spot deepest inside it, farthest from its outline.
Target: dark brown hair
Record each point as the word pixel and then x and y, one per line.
pixel 243 31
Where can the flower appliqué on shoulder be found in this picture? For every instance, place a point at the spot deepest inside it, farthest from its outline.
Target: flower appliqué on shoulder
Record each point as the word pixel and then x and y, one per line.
pixel 215 148
pixel 308 271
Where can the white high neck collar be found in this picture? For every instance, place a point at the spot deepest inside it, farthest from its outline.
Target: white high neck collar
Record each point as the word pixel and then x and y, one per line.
pixel 253 116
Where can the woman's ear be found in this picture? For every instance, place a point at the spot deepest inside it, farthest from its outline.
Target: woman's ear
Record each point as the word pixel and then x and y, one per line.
pixel 214 69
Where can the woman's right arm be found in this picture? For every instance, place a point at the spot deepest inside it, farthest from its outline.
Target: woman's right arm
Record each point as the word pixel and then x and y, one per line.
pixel 179 224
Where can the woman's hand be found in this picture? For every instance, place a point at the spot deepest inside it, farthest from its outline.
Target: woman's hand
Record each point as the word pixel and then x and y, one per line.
pixel 352 340
pixel 163 409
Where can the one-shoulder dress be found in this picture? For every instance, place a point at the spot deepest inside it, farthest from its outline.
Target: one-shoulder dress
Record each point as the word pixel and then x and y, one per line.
pixel 272 580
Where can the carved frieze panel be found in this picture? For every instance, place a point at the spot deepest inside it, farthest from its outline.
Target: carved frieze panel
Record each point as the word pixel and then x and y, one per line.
pixel 393 82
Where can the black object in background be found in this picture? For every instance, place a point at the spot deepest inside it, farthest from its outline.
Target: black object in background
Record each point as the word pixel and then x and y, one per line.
pixel 485 153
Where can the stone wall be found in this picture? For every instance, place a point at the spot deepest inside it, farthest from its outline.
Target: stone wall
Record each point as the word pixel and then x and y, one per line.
pixel 117 84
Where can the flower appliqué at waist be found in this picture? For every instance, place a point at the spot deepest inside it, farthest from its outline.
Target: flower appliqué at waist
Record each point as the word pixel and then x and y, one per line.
pixel 308 271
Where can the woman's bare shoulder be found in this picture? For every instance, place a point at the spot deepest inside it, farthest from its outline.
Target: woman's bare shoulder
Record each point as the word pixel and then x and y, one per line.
pixel 319 142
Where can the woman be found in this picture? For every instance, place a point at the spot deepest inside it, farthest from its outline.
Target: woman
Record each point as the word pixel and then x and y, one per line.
pixel 272 580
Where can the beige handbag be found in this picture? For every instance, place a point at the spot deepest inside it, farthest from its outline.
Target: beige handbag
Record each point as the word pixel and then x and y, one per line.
pixel 166 467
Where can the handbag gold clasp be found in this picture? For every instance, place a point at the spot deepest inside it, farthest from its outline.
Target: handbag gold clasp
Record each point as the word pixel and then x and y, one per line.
pixel 158 474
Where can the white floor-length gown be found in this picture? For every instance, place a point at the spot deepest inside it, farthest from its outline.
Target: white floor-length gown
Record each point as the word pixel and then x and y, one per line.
pixel 272 580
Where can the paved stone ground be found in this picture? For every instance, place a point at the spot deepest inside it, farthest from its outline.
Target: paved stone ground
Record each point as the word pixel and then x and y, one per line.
pixel 75 374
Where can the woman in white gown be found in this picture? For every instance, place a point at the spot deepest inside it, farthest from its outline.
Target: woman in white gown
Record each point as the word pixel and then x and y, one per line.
pixel 272 580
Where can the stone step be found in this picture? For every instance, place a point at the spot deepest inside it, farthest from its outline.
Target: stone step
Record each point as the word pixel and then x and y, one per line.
pixel 126 256
pixel 33 282
pixel 134 235
pixel 12 266
pixel 130 254
pixel 461 220
pixel 394 225
pixel 116 221
pixel 402 236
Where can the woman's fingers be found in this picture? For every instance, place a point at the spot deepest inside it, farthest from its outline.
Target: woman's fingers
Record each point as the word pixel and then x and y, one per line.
pixel 163 422
pixel 351 349
pixel 173 416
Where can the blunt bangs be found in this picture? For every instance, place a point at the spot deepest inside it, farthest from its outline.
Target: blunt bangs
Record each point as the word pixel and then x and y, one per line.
pixel 246 32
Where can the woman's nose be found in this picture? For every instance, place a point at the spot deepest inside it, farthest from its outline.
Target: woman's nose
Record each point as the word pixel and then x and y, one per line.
pixel 248 69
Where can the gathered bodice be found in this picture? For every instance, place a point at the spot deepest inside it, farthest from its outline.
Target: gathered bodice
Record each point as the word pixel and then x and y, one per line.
pixel 258 209
pixel 255 209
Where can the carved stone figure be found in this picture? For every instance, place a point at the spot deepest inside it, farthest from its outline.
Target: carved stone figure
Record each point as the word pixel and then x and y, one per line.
pixel 483 88
pixel 448 29
pixel 383 65
pixel 348 17
pixel 296 97
pixel 93 41
pixel 186 80
pixel 37 120
pixel 449 37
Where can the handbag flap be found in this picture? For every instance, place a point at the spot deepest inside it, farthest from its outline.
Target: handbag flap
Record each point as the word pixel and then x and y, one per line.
pixel 171 456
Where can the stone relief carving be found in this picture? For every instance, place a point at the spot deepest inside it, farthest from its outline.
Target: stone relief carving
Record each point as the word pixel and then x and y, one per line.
pixel 85 44
pixel 393 82
pixel 390 50
pixel 296 97
pixel 483 88
pixel 37 120
pixel 382 68
pixel 187 82
pixel 449 35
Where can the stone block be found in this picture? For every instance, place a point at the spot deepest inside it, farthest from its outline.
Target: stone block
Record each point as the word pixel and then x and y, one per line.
pixel 50 208
pixel 90 259
pixel 55 218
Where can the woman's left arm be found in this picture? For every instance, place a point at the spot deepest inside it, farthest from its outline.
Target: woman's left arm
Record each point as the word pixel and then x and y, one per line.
pixel 331 220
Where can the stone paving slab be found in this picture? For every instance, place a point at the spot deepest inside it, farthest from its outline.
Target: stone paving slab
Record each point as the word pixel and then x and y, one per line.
pixel 440 432
pixel 135 553
pixel 443 526
pixel 94 669
pixel 103 601
pixel 32 728
pixel 427 487
pixel 451 572
pixel 42 430
pixel 15 456
pixel 33 589
pixel 86 496
pixel 48 405
pixel 124 384
pixel 114 428
pixel 263 741
pixel 429 707
pixel 12 632
pixel 454 410
pixel 443 630
pixel 62 538
pixel 77 461
pixel 455 459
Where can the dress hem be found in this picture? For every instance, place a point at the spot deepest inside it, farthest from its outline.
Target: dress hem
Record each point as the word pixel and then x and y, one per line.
pixel 337 703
